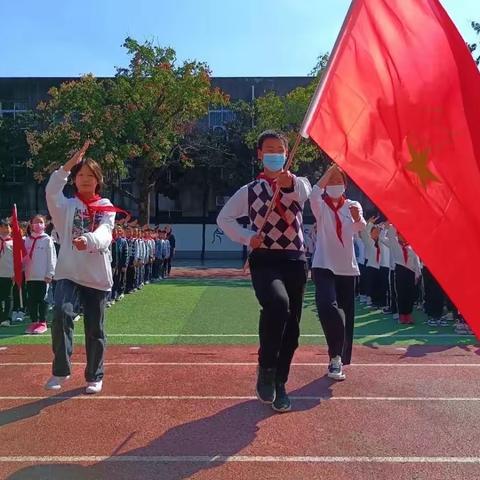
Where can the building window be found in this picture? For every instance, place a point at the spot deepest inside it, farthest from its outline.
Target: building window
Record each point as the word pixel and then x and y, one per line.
pixel 220 118
pixel 9 109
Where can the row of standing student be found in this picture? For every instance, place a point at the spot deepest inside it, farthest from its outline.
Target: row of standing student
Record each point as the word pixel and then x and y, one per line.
pixel 139 256
pixel 393 278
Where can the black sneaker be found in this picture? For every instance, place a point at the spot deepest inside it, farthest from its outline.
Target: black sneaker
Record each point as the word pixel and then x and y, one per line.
pixel 282 402
pixel 266 385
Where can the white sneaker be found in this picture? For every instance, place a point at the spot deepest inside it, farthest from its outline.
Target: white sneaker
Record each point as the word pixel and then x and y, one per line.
pixel 335 370
pixel 94 387
pixel 55 383
pixel 121 296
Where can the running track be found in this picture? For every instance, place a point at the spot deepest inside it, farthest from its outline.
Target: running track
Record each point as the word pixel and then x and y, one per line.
pixel 181 412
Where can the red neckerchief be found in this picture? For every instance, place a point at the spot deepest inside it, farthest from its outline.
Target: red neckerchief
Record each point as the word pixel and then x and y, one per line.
pixel 3 241
pixel 92 209
pixel 279 207
pixel 335 209
pixel 377 246
pixel 34 241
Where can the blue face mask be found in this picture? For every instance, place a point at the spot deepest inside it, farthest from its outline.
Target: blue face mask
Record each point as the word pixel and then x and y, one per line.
pixel 274 161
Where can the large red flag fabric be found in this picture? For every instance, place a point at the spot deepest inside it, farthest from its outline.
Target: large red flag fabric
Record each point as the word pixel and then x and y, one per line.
pixel 399 111
pixel 18 249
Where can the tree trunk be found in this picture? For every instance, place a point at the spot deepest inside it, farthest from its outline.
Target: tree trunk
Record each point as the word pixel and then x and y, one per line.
pixel 144 206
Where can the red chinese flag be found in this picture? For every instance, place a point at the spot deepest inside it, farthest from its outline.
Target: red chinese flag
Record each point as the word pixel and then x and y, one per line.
pixel 399 111
pixel 18 249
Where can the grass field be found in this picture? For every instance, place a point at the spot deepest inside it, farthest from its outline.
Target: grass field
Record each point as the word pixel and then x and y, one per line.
pixel 202 311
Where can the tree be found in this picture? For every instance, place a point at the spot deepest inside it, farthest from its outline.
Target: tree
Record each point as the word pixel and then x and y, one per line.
pixel 473 46
pixel 136 120
pixel 286 113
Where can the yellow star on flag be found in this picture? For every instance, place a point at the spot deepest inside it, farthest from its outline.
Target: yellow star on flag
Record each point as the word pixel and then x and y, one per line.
pixel 418 165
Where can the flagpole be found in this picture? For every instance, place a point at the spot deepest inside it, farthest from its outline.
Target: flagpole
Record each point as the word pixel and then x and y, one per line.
pixel 328 71
pixel 276 193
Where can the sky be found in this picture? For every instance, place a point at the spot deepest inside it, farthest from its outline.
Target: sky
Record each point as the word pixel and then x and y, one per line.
pixel 55 38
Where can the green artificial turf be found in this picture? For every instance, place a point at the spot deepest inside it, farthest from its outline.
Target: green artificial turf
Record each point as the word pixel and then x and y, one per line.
pixel 182 307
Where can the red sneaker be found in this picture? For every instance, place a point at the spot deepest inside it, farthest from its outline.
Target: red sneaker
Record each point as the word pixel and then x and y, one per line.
pixel 409 319
pixel 41 327
pixel 30 329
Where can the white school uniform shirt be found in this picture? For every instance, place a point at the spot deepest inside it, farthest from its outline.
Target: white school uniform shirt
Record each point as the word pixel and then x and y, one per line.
pixel 370 249
pixel 91 267
pixel 6 259
pixel 413 261
pixel 329 251
pixel 43 258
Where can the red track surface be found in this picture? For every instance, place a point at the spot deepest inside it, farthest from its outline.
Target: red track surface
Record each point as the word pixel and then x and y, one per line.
pixel 335 425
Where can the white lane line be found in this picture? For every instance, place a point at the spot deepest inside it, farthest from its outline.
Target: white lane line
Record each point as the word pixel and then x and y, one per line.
pixel 234 459
pixel 250 335
pixel 250 364
pixel 237 397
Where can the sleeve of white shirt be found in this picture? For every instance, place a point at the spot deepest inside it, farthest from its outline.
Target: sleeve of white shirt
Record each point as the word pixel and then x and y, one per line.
pixel 316 202
pixel 301 190
pixel 101 238
pixel 236 207
pixel 56 200
pixel 51 259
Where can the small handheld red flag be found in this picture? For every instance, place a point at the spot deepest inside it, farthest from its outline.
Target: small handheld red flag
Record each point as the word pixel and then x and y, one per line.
pixel 19 251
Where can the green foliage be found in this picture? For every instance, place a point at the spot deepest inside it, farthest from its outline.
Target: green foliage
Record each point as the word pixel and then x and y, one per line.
pixel 135 120
pixel 473 46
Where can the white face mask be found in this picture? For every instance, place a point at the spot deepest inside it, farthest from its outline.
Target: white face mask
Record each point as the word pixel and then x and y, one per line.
pixel 335 191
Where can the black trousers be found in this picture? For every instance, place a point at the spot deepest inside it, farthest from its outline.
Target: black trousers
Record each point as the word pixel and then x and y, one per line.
pixel 16 297
pixel 373 284
pixel 169 261
pixel 335 299
pixel 362 280
pixel 37 303
pixel 434 295
pixel 5 297
pixel 119 279
pixel 406 289
pixel 69 299
pixel 130 278
pixel 279 289
pixel 382 291
pixel 392 293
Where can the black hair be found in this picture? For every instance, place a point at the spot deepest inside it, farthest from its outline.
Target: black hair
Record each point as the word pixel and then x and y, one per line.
pixel 271 134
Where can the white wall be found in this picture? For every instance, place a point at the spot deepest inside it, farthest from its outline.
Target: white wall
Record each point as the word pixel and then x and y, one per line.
pixel 189 239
